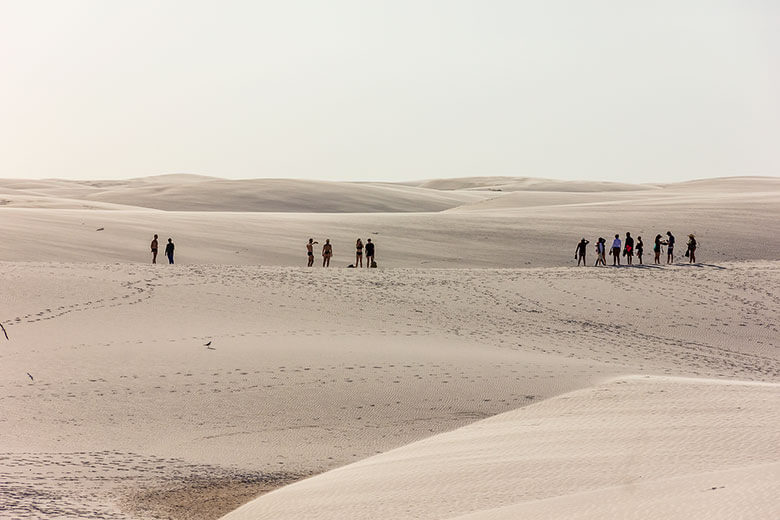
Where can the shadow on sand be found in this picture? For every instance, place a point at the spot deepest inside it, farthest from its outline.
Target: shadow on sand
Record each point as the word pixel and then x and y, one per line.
pixel 700 265
pixel 653 266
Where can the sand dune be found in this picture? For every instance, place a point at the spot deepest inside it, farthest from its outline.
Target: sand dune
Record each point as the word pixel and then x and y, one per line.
pixel 734 219
pixel 527 184
pixel 127 415
pixel 130 416
pixel 612 451
pixel 746 492
pixel 198 193
pixel 195 193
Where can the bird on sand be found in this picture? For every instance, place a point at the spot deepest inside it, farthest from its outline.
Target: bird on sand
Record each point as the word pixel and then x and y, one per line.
pixel 30 376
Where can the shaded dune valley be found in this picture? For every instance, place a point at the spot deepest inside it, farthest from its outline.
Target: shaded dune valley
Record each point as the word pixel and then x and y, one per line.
pixel 477 373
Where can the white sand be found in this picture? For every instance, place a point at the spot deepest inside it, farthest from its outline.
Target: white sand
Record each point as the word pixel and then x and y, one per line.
pixel 636 447
pixel 734 220
pixel 131 416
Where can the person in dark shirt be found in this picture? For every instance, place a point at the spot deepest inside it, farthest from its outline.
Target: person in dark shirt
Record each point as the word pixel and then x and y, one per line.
pixel 601 248
pixel 640 248
pixel 579 253
pixel 169 250
pixel 657 249
pixel 669 248
pixel 691 254
pixel 628 250
pixel 369 253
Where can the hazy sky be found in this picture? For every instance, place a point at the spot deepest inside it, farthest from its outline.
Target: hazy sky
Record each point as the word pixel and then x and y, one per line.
pixel 390 90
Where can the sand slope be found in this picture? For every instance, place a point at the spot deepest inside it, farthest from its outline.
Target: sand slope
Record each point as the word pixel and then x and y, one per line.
pixel 315 369
pixel 634 439
pixel 747 492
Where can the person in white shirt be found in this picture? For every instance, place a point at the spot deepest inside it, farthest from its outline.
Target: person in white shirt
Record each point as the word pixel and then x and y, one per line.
pixel 616 245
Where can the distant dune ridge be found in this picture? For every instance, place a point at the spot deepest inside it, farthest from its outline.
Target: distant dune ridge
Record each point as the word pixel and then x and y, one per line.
pixel 181 192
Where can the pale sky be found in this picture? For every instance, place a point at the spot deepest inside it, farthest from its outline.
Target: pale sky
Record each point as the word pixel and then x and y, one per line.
pixel 644 91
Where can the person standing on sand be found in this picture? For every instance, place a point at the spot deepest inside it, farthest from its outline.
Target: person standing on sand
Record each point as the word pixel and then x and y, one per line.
pixel 310 251
pixel 369 253
pixel 327 252
pixel 691 254
pixel 657 249
pixel 154 249
pixel 579 253
pixel 640 248
pixel 670 248
pixel 629 250
pixel 616 251
pixel 169 250
pixel 600 252
pixel 359 253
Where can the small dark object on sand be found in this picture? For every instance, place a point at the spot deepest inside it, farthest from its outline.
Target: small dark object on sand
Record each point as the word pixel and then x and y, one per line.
pixel 100 229
pixel 30 376
pixel 207 344
pixel 4 332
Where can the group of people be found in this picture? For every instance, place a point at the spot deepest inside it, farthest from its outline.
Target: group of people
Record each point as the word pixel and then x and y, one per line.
pixel 168 250
pixel 630 248
pixel 327 253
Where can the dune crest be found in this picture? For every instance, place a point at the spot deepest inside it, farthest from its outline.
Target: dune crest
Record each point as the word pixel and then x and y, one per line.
pixel 578 455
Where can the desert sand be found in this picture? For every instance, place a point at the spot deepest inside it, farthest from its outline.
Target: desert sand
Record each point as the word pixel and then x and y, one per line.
pixel 476 374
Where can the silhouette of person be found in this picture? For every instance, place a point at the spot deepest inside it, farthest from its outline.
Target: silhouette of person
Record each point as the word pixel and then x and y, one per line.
pixel 657 249
pixel 640 248
pixel 669 248
pixel 600 252
pixel 169 250
pixel 369 253
pixel 629 249
pixel 579 253
pixel 691 249
pixel 359 253
pixel 310 251
pixel 616 250
pixel 154 249
pixel 327 252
